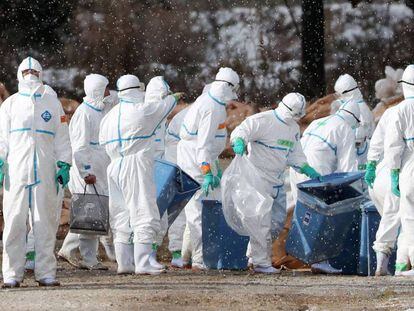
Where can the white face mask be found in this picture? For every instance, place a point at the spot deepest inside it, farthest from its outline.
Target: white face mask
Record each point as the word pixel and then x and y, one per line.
pixel 31 77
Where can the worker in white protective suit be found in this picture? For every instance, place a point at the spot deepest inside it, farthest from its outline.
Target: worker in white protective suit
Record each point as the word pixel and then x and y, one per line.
pixel 329 146
pixel 378 180
pixel 399 156
pixel 35 145
pixel 203 137
pixel 347 90
pixel 180 250
pixel 30 243
pixel 71 242
pixel 90 162
pixel 127 132
pixel 272 141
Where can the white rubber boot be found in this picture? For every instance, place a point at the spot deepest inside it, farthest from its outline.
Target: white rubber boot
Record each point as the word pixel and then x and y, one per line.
pixel 198 267
pixel 142 254
pixel 177 260
pixel 382 264
pixel 324 267
pixel 48 282
pixel 266 270
pixel 89 248
pixel 110 251
pixel 409 273
pixel 124 254
pixel 153 258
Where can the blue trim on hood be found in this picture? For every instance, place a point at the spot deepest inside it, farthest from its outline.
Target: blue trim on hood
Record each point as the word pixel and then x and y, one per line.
pixel 216 100
pixel 92 107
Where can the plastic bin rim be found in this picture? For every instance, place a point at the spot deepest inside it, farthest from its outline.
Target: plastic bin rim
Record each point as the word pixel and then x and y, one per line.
pixel 188 177
pixel 332 180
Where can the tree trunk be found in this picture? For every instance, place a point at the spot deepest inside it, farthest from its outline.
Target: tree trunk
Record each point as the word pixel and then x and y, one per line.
pixel 313 48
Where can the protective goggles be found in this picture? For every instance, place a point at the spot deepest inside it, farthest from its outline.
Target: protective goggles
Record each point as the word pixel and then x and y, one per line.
pixel 350 90
pixel 352 114
pixel 235 87
pixel 140 87
pixel 402 81
pixel 299 114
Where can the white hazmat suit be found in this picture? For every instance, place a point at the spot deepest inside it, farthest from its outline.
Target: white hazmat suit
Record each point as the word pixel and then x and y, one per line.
pixel 89 158
pixel 127 132
pixel 387 203
pixel 34 136
pixel 273 144
pixel 399 155
pixel 203 137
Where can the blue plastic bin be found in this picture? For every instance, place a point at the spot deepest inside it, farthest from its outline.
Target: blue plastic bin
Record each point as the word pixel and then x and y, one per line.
pixel 348 259
pixel 323 217
pixel 174 188
pixel 357 256
pixel 370 221
pixel 223 248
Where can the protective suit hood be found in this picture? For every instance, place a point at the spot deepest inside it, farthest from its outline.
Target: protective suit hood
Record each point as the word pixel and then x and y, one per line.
pixel 157 90
pixel 95 86
pixel 26 84
pixel 226 85
pixel 347 88
pixel 206 88
pixel 407 81
pixel 129 87
pixel 350 112
pixel 292 107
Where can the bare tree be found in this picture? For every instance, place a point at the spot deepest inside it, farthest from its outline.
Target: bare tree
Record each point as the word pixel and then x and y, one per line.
pixel 313 48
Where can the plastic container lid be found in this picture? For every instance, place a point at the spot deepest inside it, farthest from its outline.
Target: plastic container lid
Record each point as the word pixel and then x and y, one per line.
pixel 332 181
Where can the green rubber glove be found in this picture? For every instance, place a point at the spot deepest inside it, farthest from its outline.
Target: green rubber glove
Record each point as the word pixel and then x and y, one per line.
pixel 395 182
pixel 310 172
pixel 1 172
pixel 62 176
pixel 370 173
pixel 217 179
pixel 178 95
pixel 239 146
pixel 208 183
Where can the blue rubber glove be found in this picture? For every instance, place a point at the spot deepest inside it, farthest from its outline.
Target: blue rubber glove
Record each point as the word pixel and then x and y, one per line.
pixel 310 172
pixel 395 182
pixel 1 172
pixel 208 183
pixel 370 173
pixel 62 176
pixel 239 146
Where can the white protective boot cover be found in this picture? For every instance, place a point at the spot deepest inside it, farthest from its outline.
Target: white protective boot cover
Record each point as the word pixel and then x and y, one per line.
pixel 88 248
pixel 124 254
pixel 382 264
pixel 142 253
pixel 266 270
pixel 153 261
pixel 324 267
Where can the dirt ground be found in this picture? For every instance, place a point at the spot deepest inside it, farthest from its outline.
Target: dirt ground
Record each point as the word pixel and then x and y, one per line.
pixel 213 290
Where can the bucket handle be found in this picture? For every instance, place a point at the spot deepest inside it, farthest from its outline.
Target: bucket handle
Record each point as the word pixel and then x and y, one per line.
pixel 96 191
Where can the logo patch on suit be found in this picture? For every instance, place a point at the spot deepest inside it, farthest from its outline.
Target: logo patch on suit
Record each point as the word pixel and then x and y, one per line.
pixel 46 116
